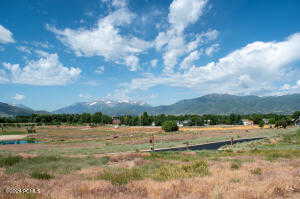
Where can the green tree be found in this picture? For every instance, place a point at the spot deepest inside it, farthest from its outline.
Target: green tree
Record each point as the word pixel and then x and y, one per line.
pixel 261 123
pixel 97 118
pixel 169 126
pixel 145 119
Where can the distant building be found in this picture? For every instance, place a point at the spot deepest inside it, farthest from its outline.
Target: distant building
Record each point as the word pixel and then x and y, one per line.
pixel 207 122
pixel 179 123
pixel 116 121
pixel 247 122
pixel 184 123
pixel 266 121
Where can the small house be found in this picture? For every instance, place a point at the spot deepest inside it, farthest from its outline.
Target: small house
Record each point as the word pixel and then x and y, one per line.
pixel 247 122
pixel 116 121
pixel 179 123
pixel 184 123
pixel 266 121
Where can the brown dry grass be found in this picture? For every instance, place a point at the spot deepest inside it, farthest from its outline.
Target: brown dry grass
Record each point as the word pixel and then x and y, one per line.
pixel 280 179
pixel 219 128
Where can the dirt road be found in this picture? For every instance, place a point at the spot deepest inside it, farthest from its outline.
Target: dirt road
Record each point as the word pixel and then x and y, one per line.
pixel 12 137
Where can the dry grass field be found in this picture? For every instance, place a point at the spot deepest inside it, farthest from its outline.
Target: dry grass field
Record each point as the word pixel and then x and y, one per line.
pixel 107 162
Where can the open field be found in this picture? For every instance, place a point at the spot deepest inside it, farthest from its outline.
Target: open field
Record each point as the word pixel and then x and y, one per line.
pixel 82 140
pixel 108 162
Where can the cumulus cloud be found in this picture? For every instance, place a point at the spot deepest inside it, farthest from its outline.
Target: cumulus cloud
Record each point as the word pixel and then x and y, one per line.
pixel 19 97
pixel 3 78
pixel 153 63
pixel 119 3
pixel 212 49
pixel 193 56
pixel 257 68
pixel 105 39
pixel 48 70
pixel 185 12
pixel 99 70
pixel 5 36
pixel 24 49
pixel 85 96
pixel 173 41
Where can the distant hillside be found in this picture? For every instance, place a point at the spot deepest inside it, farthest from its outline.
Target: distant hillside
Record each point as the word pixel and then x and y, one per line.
pixel 208 104
pixel 10 110
pixel 226 104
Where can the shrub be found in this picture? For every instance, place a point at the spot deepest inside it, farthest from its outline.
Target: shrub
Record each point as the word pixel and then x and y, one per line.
pixel 9 161
pixel 256 171
pixel 169 126
pixel 235 180
pixel 121 176
pixel 198 168
pixel 235 164
pixel 41 175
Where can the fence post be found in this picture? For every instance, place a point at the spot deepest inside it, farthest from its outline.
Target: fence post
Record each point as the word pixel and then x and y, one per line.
pixel 151 141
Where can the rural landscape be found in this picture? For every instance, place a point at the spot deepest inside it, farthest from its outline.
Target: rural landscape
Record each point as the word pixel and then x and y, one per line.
pixel 99 156
pixel 147 99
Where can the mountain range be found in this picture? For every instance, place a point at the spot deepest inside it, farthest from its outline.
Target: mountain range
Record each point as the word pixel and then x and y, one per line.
pixel 208 104
pixel 108 107
pixel 8 110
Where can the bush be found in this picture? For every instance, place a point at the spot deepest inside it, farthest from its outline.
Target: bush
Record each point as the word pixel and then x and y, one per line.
pixel 41 175
pixel 169 126
pixel 9 161
pixel 236 164
pixel 256 171
pixel 121 176
pixel 169 172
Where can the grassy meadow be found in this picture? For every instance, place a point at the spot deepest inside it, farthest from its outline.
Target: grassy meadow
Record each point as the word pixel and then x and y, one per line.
pixel 107 162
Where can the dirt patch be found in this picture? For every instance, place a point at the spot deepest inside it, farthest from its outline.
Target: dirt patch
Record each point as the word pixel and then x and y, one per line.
pixel 12 137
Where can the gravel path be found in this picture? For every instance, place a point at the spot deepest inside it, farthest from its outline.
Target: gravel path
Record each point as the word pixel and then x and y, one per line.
pixel 12 137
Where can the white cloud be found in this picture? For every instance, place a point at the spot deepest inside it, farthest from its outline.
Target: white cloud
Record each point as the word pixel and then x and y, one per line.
pixel 19 97
pixel 85 96
pixel 47 70
pixel 3 77
pixel 41 53
pixel 209 51
pixel 92 83
pixel 5 36
pixel 24 49
pixel 153 63
pixel 193 56
pixel 132 62
pixel 173 41
pixel 185 12
pixel 99 70
pixel 258 68
pixel 119 3
pixel 38 44
pixel 105 40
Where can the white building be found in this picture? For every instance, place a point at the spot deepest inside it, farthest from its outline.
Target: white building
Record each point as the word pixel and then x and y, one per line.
pixel 247 122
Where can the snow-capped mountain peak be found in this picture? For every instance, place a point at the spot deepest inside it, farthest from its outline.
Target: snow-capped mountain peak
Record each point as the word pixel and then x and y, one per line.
pixel 110 102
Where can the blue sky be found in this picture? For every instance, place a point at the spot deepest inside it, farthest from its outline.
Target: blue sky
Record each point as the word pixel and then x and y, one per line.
pixel 54 53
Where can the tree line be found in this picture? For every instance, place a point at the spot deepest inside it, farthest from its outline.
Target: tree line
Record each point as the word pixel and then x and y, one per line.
pixel 145 119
